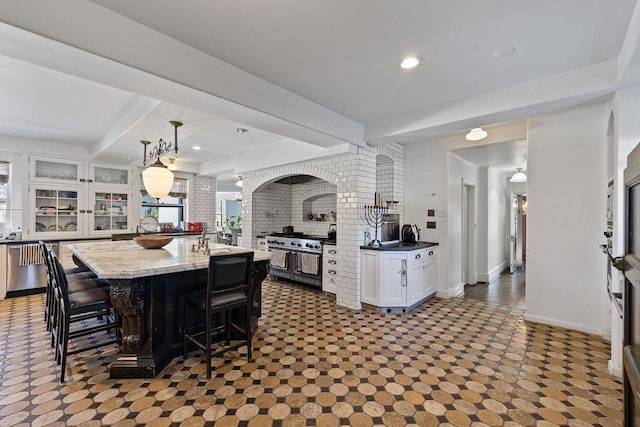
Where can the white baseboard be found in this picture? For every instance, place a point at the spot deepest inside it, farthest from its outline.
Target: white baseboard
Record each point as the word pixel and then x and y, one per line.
pixel 614 370
pixel 456 291
pixel 493 274
pixel 563 324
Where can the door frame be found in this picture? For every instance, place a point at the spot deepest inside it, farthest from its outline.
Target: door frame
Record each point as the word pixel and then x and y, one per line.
pixel 468 272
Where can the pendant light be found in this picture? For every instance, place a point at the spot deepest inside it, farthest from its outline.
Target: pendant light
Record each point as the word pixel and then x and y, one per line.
pixel 519 176
pixel 476 134
pixel 239 181
pixel 157 178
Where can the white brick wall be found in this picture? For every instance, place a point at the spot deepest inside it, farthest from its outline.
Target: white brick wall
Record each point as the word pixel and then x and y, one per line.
pixel 354 179
pixel 203 205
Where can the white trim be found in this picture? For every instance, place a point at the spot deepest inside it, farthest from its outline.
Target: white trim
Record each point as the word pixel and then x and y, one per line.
pixel 493 274
pixel 563 324
pixel 455 291
pixel 613 369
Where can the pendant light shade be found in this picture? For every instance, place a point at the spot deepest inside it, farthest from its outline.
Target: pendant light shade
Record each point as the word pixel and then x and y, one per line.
pixel 519 176
pixel 157 180
pixel 239 181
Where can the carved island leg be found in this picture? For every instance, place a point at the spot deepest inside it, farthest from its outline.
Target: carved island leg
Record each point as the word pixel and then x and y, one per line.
pixel 260 271
pixel 128 298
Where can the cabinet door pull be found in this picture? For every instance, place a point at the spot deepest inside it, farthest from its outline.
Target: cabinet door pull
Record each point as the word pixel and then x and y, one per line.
pixel 89 180
pixel 330 271
pixel 82 211
pixel 333 251
pixel 89 211
pixel 332 261
pixel 430 253
pixel 417 256
pixel 82 180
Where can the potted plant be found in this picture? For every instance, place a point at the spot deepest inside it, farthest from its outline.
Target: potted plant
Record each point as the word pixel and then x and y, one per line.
pixel 234 222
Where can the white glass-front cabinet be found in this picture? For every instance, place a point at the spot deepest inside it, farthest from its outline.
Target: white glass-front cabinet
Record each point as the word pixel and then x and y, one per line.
pixel 56 211
pixel 109 211
pixel 45 169
pixel 109 175
pixel 64 211
pixel 48 169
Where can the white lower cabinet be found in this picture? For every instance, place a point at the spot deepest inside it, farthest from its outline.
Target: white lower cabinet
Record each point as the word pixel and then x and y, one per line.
pixel 330 269
pixel 398 279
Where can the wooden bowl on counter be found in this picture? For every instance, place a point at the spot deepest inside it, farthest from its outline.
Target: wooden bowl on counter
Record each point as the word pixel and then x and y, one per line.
pixel 152 242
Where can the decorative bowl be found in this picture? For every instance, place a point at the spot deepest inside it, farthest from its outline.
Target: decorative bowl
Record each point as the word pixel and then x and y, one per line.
pixel 152 242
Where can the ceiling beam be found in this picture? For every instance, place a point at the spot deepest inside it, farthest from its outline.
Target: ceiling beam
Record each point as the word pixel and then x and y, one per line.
pixel 77 38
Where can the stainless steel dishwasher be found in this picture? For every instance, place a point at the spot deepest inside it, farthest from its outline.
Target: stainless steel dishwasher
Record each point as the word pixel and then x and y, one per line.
pixel 25 277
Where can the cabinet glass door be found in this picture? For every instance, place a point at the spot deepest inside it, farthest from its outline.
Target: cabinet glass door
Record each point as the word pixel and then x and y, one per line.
pixel 58 170
pixel 56 211
pixel 110 211
pixel 110 175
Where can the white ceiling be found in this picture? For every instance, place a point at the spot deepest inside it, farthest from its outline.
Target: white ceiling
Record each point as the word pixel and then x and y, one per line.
pixel 334 65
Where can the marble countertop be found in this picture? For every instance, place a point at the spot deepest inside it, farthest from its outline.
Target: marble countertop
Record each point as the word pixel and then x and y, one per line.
pixel 400 246
pixel 126 260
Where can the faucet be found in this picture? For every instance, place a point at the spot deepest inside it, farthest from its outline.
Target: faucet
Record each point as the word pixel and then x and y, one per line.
pixel 203 243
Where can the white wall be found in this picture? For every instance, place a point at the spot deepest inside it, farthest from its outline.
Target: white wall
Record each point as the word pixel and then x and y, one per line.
pixel 425 184
pixel 565 269
pixel 497 221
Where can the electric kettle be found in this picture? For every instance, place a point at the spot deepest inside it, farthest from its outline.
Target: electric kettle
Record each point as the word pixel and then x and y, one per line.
pixel 408 235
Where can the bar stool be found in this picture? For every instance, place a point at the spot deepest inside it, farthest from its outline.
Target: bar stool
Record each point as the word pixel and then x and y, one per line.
pixel 79 279
pixel 92 306
pixel 228 289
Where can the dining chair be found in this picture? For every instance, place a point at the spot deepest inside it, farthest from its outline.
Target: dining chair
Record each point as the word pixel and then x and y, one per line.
pixel 90 310
pixel 227 293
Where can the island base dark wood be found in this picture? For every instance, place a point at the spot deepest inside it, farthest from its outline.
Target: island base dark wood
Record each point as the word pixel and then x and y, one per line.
pixel 152 317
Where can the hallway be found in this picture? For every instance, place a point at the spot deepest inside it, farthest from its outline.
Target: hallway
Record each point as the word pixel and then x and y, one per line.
pixel 508 289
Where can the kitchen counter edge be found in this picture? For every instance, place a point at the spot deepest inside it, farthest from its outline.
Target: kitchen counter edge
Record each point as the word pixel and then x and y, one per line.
pixel 401 247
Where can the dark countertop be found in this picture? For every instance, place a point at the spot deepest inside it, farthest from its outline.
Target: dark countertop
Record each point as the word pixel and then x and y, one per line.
pixel 400 247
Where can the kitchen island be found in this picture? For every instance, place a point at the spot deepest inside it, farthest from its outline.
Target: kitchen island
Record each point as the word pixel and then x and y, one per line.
pixel 146 289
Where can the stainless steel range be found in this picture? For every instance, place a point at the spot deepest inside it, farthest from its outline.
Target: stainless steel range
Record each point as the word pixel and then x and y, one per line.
pixel 296 257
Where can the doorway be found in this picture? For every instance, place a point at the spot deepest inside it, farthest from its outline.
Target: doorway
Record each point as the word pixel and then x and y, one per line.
pixel 518 232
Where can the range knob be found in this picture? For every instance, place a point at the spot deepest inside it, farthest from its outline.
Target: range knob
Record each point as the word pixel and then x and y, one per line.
pixel 309 245
pixel 317 246
pixel 299 244
pixel 293 243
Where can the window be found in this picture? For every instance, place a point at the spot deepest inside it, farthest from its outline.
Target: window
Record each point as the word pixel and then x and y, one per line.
pixel 4 190
pixel 171 208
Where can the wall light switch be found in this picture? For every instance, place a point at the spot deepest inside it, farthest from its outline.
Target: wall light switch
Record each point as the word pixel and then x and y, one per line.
pixel 431 224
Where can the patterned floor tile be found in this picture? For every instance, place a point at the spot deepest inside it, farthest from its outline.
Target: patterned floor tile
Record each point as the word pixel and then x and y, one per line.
pixel 455 362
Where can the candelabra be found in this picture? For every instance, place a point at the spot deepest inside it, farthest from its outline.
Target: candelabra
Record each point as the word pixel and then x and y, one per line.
pixel 374 215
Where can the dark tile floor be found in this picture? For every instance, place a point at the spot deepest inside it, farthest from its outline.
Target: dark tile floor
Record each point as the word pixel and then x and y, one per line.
pixel 455 362
pixel 508 289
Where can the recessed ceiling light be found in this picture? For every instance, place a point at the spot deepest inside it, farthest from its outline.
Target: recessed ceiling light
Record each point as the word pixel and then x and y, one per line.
pixel 196 147
pixel 504 52
pixel 409 62
pixel 242 130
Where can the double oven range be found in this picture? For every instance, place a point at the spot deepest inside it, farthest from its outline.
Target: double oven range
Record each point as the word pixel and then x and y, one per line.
pixel 296 257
